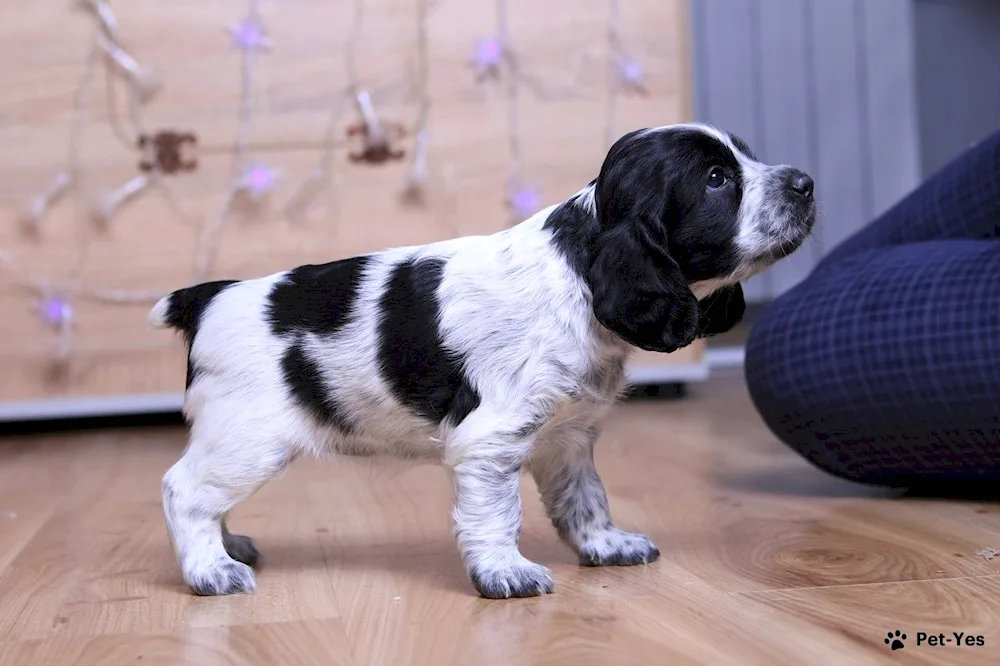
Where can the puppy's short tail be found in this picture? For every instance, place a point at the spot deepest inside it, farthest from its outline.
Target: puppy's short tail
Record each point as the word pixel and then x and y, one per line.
pixel 182 310
pixel 160 314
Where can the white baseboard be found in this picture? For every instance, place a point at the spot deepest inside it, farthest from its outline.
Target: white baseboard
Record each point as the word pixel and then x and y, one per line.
pixel 166 403
pixel 668 373
pixel 75 408
pixel 725 357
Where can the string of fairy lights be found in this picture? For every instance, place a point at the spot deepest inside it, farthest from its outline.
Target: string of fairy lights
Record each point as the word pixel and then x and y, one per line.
pixel 494 62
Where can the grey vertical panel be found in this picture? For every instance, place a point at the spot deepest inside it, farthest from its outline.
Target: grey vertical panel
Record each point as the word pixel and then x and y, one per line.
pixel 892 100
pixel 699 71
pixel 843 167
pixel 787 119
pixel 827 85
pixel 958 58
pixel 724 49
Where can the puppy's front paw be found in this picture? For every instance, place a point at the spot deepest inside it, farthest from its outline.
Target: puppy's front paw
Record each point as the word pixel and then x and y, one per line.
pixel 616 548
pixel 523 578
pixel 223 577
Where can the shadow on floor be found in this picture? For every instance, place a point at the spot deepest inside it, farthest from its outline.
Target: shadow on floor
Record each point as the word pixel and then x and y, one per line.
pixel 796 479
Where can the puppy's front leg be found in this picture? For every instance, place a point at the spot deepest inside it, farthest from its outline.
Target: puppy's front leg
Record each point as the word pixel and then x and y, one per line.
pixel 574 497
pixel 487 514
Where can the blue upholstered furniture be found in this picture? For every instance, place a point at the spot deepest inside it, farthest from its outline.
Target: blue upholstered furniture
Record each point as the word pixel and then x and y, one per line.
pixel 883 365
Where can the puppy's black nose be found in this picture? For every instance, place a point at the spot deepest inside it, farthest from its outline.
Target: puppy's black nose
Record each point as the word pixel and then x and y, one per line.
pixel 801 184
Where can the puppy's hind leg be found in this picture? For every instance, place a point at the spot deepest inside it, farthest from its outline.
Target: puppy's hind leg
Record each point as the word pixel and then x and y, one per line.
pixel 575 500
pixel 212 476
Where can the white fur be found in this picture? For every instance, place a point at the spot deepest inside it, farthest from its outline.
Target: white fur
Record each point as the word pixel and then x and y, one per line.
pixel 546 371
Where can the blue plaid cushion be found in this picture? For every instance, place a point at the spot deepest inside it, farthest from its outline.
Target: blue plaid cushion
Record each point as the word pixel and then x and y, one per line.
pixel 883 366
pixel 960 201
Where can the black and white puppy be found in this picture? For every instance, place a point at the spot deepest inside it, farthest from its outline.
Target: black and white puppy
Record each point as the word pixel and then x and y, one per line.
pixel 492 354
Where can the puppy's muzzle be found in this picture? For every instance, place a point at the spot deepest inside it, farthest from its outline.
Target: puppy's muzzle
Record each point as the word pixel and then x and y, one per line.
pixel 798 188
pixel 796 214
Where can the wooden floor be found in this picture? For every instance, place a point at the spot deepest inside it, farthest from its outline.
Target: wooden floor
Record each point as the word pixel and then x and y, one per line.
pixel 765 561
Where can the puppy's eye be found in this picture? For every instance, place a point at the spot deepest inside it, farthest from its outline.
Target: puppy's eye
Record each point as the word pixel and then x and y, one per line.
pixel 716 178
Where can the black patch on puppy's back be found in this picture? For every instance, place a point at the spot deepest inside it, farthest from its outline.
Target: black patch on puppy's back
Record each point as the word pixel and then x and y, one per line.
pixel 419 371
pixel 187 306
pixel 317 300
pixel 305 383
pixel 186 309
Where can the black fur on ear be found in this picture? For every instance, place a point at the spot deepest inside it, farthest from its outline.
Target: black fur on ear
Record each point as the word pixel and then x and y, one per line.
pixel 721 311
pixel 639 293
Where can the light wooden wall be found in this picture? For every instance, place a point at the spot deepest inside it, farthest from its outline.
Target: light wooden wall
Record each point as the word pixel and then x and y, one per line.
pixel 42 45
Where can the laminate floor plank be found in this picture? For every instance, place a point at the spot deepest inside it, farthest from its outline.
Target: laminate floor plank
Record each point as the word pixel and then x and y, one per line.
pixel 765 560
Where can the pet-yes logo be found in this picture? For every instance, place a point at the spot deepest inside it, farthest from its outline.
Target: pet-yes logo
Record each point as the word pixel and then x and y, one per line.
pixel 897 640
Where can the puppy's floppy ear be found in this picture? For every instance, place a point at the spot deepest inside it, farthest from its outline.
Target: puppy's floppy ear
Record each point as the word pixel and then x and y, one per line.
pixel 639 292
pixel 721 311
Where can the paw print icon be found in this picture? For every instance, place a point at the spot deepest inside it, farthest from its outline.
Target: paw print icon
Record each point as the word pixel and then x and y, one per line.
pixel 894 639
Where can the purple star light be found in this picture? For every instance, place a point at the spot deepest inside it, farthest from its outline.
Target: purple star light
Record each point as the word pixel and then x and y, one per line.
pixel 259 180
pixel 631 73
pixel 488 55
pixel 250 35
pixel 56 312
pixel 526 201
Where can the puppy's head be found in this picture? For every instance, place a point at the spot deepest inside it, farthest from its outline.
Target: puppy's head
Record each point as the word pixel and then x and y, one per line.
pixel 684 213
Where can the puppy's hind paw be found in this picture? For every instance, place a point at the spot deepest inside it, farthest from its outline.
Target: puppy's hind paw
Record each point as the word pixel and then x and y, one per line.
pixel 241 548
pixel 224 577
pixel 521 579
